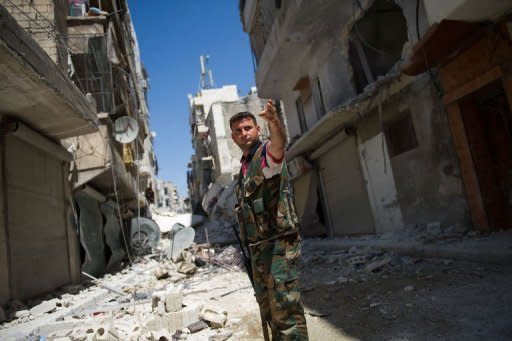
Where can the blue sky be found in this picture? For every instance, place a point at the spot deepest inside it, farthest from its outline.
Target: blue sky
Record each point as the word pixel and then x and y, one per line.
pixel 172 35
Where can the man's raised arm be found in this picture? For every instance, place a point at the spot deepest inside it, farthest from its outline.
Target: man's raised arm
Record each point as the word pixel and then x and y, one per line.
pixel 277 136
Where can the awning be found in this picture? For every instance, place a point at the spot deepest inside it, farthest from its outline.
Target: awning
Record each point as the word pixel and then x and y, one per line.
pixel 439 43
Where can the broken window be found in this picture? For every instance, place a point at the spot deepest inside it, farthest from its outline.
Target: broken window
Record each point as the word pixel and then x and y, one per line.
pixel 300 112
pixel 400 135
pixel 376 42
pixel 318 98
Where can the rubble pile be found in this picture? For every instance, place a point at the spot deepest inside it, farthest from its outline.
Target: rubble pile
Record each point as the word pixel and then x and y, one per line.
pixel 219 204
pixel 357 264
pixel 155 299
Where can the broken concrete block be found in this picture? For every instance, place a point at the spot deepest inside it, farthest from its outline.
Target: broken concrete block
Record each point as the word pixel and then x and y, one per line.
pixel 161 273
pixel 221 335
pixel 173 301
pixel 377 264
pixel 160 308
pixel 187 268
pixel 197 326
pixel 157 298
pixel 22 313
pixel 356 260
pixel 174 320
pixel 45 307
pixel 190 315
pixel 214 317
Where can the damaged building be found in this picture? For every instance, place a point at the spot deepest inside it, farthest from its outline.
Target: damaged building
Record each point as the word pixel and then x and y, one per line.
pixel 167 198
pixel 214 167
pixel 69 188
pixel 389 122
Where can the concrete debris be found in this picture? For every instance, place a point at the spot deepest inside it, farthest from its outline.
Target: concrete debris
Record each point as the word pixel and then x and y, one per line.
pixel 187 268
pixel 22 313
pixel 173 301
pixel 230 256
pixel 45 307
pixel 357 260
pixel 409 288
pixel 161 273
pixel 377 264
pixel 213 317
pixel 197 326
pixel 221 335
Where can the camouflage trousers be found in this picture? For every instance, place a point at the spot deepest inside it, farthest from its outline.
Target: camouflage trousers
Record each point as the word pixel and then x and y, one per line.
pixel 274 267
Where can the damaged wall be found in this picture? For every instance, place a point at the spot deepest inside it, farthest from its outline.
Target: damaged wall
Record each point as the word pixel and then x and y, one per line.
pixel 427 175
pixel 45 20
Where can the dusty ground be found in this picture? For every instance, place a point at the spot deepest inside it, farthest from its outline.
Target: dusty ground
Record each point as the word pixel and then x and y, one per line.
pixel 418 300
pixel 403 299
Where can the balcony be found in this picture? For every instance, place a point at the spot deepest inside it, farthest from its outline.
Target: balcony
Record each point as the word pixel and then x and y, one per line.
pixel 35 90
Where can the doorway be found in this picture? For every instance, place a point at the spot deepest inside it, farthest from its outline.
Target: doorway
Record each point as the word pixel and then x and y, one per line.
pixel 488 125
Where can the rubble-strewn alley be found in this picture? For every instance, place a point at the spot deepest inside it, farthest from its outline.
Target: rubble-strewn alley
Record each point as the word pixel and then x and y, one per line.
pixel 349 292
pixel 360 151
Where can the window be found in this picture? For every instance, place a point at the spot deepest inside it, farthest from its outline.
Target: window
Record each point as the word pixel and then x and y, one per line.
pixel 318 98
pixel 376 42
pixel 300 112
pixel 400 135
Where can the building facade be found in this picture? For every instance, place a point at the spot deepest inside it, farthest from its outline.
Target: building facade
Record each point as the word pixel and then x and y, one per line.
pixel 216 159
pixel 215 165
pixel 68 186
pixel 167 198
pixel 372 148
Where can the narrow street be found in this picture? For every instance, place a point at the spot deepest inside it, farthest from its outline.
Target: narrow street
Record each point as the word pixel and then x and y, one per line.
pixel 147 146
pixel 349 293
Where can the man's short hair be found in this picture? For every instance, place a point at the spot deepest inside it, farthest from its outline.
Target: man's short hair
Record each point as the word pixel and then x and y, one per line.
pixel 241 116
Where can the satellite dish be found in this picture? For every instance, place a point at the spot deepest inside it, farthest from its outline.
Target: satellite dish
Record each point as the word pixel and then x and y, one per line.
pixel 126 129
pixel 144 234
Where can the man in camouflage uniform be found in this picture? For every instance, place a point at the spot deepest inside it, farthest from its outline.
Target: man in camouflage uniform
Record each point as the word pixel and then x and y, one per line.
pixel 268 224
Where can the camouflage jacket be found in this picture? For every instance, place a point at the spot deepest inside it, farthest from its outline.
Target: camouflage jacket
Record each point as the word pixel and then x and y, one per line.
pixel 265 209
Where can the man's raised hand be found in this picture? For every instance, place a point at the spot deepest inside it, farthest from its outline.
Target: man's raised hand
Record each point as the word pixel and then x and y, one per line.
pixel 269 113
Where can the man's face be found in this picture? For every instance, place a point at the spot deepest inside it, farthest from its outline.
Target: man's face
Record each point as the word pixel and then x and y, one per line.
pixel 245 133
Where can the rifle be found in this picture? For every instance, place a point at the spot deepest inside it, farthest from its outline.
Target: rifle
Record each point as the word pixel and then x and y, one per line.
pixel 247 262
